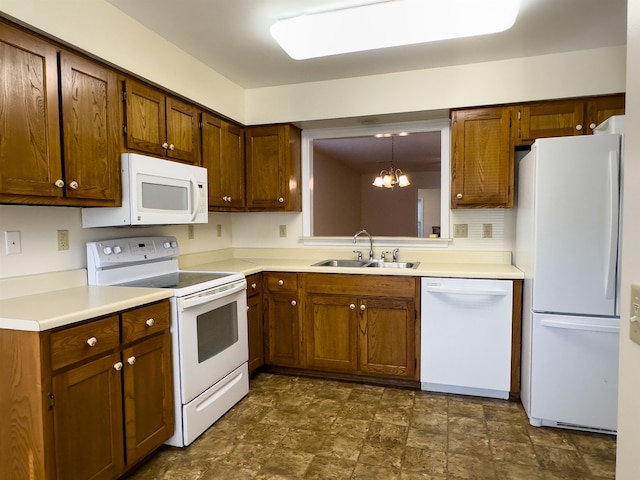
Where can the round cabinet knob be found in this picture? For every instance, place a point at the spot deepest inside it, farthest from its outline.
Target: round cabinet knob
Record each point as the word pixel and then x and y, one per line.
pixel 254 286
pixel 107 250
pixel 150 322
pixel 247 308
pixel 73 185
pixel 459 196
pixel 166 244
pixel 59 183
pixel 293 303
pixel 131 360
pixel 592 126
pixel 224 199
pixel 117 249
pixel 165 145
pixel 281 200
pixel 229 198
pixel 280 282
pixel 174 244
pixel 578 127
pixel 352 306
pixel 363 307
pixel 172 147
pixel 92 341
pixel 117 366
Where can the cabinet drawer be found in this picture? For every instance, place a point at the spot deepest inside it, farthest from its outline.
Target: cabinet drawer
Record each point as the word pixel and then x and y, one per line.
pixel 282 282
pixel 145 321
pixel 78 343
pixel 254 285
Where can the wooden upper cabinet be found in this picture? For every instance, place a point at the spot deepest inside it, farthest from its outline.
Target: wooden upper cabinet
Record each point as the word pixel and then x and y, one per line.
pixel 90 118
pixel 223 156
pixel 482 161
pixel 160 124
pixel 559 118
pixel 30 155
pixel 273 163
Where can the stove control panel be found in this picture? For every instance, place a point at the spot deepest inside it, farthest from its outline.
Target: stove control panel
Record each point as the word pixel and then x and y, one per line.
pixel 128 251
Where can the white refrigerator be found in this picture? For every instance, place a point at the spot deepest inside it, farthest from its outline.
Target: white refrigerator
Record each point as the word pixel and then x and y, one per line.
pixel 567 244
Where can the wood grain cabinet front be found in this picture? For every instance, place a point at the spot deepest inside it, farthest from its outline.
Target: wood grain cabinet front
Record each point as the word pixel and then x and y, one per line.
pixel 96 405
pixel 282 317
pixel 255 322
pixel 41 94
pixel 160 124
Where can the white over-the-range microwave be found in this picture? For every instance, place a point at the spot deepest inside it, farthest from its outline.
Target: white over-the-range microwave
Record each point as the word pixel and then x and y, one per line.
pixel 154 192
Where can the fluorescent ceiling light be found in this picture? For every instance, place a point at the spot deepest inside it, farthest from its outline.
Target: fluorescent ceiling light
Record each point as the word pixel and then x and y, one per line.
pixel 389 24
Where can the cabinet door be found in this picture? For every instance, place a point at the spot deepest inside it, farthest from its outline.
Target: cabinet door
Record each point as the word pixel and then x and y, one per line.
pixel 330 327
pixel 256 332
pixel 145 116
pixel 183 134
pixel 387 337
pixel 282 329
pixel 223 156
pixel 551 119
pixel 482 170
pixel 30 161
pixel 601 108
pixel 90 119
pixel 266 168
pixel 148 396
pixel 88 421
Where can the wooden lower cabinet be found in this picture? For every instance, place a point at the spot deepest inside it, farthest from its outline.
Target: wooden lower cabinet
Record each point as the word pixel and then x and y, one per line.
pixel 361 324
pixel 95 408
pixel 255 322
pixel 282 329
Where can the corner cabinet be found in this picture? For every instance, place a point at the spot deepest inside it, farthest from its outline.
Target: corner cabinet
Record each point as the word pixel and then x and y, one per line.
pixel 98 396
pixel 39 95
pixel 273 163
pixel 223 157
pixel 363 325
pixel 482 158
pixel 160 124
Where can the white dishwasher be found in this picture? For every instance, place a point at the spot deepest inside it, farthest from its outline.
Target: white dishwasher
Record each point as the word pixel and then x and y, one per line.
pixel 466 336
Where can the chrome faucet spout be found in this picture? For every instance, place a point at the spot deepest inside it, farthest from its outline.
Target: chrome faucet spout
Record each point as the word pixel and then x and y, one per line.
pixel 355 237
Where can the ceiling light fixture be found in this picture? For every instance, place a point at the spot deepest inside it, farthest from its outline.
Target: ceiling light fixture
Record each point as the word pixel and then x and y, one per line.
pixel 391 23
pixel 392 177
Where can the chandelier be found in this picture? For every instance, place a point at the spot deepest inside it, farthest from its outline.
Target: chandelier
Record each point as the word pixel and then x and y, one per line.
pixel 392 177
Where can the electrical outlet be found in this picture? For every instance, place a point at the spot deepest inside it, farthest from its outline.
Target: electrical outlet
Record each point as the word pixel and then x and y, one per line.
pixel 63 239
pixel 191 234
pixel 283 231
pixel 219 229
pixel 487 230
pixel 12 244
pixel 461 230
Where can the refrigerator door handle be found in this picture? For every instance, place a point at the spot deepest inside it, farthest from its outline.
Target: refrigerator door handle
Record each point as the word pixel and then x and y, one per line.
pixel 580 326
pixel 612 240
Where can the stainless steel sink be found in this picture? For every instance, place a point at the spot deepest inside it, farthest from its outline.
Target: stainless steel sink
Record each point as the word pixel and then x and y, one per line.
pixel 365 263
pixel 394 264
pixel 342 263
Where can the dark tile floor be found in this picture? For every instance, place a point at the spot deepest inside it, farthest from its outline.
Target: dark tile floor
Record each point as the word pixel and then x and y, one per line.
pixel 299 428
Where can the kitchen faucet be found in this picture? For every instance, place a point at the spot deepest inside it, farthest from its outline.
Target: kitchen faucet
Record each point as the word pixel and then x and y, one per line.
pixel 355 237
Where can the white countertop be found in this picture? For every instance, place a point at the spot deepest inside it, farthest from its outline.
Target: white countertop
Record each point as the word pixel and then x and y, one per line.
pixel 55 299
pixel 57 308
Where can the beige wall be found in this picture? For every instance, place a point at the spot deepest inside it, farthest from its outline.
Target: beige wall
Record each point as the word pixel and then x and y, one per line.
pixel 628 461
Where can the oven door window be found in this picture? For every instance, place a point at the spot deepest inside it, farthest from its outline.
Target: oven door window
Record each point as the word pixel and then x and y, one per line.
pixel 217 330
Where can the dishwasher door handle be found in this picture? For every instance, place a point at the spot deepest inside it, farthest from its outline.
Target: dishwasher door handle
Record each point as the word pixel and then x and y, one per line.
pixel 460 291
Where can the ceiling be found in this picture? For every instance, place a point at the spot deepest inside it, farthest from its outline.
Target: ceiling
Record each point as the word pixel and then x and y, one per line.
pixel 232 37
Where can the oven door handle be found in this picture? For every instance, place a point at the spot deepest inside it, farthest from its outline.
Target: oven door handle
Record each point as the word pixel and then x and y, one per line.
pixel 211 295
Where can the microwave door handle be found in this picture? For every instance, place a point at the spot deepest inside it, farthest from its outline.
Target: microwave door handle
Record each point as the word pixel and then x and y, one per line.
pixel 196 198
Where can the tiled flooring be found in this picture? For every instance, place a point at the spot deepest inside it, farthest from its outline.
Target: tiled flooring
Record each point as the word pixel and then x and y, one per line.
pixel 298 428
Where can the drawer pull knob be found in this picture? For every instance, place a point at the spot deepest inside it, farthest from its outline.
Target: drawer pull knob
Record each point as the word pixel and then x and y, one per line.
pixel 294 303
pixel 150 322
pixel 92 341
pixel 363 307
pixel 254 286
pixel 280 282
pixel 117 366
pixel 352 306
pixel 281 200
pixel 131 360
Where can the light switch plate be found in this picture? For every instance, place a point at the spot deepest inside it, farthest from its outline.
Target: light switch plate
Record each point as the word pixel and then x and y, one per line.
pixel 634 320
